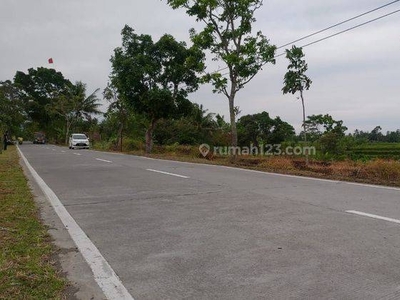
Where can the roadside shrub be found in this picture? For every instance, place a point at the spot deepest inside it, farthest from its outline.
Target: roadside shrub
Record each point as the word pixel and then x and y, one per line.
pixel 187 150
pixel 347 168
pixel 103 145
pixel 322 167
pixel 129 144
pixel 157 149
pixel 330 144
pixel 171 148
pixel 278 163
pixel 387 170
pixel 177 150
pixel 248 161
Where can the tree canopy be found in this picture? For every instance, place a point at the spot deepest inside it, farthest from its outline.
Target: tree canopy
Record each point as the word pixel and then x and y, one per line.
pixel 53 103
pixel 296 80
pixel 318 125
pixel 262 129
pixel 39 88
pixel 154 79
pixel 12 112
pixel 73 105
pixel 228 35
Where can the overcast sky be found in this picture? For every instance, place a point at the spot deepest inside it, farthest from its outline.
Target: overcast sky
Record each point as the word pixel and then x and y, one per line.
pixel 355 75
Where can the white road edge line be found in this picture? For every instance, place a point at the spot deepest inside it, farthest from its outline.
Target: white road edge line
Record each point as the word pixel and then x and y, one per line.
pixel 104 275
pixel 77 154
pixel 166 173
pixel 108 161
pixel 360 213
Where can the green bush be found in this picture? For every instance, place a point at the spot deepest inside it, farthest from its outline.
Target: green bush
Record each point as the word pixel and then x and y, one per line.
pixel 103 145
pixel 172 148
pixel 129 144
pixel 183 150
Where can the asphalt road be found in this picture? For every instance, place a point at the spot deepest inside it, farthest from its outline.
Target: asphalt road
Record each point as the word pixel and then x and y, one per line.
pixel 210 232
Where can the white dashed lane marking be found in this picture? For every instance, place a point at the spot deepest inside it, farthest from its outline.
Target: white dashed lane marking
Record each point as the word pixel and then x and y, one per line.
pixel 107 161
pixel 360 213
pixel 167 173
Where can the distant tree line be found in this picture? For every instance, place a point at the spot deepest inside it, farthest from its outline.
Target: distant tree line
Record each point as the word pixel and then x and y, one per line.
pixel 376 135
pixel 43 100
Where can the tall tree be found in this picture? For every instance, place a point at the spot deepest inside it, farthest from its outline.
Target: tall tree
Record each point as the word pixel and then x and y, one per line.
pixel 12 115
pixel 329 134
pixel 88 105
pixel 196 128
pixel 228 35
pixel 155 78
pixel 117 107
pixel 296 80
pixel 282 131
pixel 38 89
pixel 317 125
pixel 74 105
pixel 262 129
pixel 376 134
pixel 202 119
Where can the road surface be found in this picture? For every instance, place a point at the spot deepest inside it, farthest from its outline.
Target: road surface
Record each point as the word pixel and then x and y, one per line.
pixel 173 230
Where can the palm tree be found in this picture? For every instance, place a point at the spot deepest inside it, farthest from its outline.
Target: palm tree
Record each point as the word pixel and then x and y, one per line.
pixel 75 105
pixel 203 120
pixel 110 93
pixel 86 106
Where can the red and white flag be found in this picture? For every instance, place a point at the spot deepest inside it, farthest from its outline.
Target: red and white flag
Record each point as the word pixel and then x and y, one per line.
pixel 50 60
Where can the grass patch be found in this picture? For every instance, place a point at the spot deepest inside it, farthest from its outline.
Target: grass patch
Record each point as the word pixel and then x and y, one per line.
pixel 27 270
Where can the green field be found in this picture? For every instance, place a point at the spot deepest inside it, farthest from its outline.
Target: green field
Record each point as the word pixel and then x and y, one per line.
pixel 375 150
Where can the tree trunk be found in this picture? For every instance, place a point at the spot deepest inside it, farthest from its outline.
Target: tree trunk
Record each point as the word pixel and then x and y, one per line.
pixel 234 137
pixel 304 123
pixel 232 115
pixel 119 142
pixel 149 136
pixel 68 126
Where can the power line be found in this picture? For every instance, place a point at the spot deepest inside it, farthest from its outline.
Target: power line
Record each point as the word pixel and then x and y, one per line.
pixel 343 31
pixel 338 24
pixel 330 27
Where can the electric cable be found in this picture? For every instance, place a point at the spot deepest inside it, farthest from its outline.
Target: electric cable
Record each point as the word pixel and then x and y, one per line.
pixel 338 24
pixel 335 25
